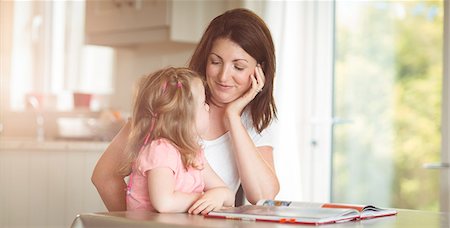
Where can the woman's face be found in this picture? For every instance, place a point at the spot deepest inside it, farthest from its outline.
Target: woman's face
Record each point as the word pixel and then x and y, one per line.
pixel 228 71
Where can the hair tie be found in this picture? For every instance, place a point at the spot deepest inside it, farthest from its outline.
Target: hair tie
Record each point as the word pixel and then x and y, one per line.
pixel 179 85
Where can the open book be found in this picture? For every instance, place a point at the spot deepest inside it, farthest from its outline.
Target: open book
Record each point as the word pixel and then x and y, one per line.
pixel 299 212
pixel 365 211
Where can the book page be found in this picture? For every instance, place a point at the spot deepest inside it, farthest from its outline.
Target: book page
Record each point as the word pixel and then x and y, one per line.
pixel 367 211
pixel 359 208
pixel 290 204
pixel 286 214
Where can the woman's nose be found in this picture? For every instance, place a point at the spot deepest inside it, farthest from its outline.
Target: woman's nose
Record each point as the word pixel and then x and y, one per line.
pixel 223 74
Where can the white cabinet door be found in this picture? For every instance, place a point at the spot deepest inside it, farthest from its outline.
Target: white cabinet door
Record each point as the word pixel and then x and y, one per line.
pixel 125 22
pixel 46 188
pixel 129 22
pixel 189 19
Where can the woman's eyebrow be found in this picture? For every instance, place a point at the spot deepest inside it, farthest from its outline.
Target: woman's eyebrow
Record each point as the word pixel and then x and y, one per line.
pixel 218 56
pixel 234 60
pixel 237 60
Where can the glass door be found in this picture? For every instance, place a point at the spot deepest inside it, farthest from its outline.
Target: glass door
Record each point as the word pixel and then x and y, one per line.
pixel 388 103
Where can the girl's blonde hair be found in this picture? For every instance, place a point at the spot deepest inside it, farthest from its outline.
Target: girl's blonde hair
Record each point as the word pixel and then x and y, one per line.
pixel 164 99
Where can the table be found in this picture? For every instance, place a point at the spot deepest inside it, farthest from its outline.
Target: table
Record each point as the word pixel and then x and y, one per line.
pixel 404 218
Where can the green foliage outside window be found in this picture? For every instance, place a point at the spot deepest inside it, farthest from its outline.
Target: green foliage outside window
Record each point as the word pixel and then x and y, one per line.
pixel 388 83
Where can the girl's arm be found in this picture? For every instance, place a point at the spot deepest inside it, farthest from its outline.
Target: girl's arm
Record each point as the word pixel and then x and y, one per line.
pixel 216 195
pixel 255 164
pixel 109 182
pixel 161 185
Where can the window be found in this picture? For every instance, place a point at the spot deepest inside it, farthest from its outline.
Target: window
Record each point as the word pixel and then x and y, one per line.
pixel 388 96
pixel 49 57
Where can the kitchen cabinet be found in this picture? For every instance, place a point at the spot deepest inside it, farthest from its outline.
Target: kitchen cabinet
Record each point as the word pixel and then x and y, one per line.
pixel 46 184
pixel 190 18
pixel 125 22
pixel 131 22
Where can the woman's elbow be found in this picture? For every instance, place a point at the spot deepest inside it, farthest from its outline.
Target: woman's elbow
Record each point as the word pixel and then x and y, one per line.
pixel 268 194
pixel 95 179
pixel 98 178
pixel 229 199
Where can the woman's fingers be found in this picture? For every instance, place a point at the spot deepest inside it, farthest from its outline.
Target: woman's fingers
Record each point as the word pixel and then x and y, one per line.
pixel 255 87
pixel 260 78
pixel 257 84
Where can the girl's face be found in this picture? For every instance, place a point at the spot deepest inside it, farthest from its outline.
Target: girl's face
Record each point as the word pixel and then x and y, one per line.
pixel 228 71
pixel 201 107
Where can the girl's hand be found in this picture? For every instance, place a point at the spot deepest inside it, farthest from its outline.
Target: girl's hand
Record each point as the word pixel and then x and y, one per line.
pixel 236 107
pixel 213 199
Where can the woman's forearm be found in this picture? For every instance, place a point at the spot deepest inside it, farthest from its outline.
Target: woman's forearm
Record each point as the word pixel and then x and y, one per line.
pixel 255 165
pixel 109 182
pixel 112 192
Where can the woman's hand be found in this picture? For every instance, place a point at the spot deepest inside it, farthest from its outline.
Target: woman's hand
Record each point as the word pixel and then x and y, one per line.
pixel 235 108
pixel 212 199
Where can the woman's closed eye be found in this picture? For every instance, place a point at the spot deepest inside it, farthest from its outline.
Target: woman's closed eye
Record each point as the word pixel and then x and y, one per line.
pixel 239 68
pixel 215 62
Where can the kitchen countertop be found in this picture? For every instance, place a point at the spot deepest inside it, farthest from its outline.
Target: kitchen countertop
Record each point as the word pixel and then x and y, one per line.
pixel 57 145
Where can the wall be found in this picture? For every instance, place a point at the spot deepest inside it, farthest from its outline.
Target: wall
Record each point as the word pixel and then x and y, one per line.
pixel 134 62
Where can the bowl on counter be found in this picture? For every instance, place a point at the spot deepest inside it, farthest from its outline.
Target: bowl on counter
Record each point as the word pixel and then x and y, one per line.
pixel 103 127
pixel 79 128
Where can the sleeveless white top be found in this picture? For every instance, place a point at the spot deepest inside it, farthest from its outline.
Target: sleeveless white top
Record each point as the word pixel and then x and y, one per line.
pixel 220 156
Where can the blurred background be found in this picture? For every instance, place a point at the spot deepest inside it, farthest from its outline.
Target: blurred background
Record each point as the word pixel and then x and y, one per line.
pixel 361 87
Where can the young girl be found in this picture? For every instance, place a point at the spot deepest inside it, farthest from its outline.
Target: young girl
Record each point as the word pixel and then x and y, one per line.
pixel 169 170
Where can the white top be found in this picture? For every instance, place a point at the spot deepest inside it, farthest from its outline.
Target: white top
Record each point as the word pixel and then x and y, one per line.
pixel 220 156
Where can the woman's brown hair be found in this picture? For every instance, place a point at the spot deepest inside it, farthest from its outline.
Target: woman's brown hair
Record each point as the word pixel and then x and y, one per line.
pixel 249 31
pixel 164 107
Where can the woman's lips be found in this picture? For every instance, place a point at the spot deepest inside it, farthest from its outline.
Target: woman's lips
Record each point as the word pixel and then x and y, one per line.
pixel 224 87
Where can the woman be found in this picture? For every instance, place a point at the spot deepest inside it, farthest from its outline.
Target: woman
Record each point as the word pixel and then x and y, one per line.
pixel 237 58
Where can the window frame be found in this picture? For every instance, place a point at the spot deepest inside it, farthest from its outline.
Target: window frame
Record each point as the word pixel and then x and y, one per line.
pixel 445 121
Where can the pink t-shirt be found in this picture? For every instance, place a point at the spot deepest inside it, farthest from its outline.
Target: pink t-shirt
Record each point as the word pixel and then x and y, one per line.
pixel 160 153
